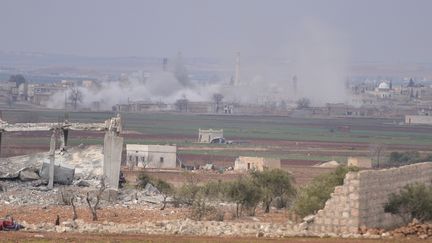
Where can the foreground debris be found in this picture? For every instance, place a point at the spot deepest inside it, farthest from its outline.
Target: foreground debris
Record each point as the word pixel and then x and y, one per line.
pixel 414 229
pixel 8 224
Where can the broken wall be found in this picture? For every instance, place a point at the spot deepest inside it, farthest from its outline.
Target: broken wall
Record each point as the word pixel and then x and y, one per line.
pixel 360 200
pixel 113 147
pixel 361 162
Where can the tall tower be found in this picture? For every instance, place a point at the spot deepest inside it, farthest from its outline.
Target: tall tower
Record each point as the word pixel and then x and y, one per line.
pixel 237 70
pixel 164 64
pixel 294 83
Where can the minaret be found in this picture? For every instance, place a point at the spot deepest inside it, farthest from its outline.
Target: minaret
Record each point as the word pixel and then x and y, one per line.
pixel 294 83
pixel 164 64
pixel 237 70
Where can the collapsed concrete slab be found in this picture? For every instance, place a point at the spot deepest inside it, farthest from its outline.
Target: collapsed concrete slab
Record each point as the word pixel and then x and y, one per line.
pixel 10 167
pixel 29 174
pixel 63 174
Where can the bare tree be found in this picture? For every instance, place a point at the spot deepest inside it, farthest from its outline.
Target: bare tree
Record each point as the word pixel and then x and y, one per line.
pixel 182 104
pixel 217 98
pixel 303 103
pixel 17 79
pixel 89 199
pixel 68 198
pixel 75 215
pixel 376 151
pixel 75 97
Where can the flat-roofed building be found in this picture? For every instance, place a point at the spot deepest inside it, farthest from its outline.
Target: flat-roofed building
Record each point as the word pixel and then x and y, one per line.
pixel 244 163
pixel 151 156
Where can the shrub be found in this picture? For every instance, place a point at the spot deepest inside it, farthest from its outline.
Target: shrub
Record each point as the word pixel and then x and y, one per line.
pixel 214 189
pixel 313 196
pixel 401 158
pixel 143 180
pixel 245 194
pixel 274 183
pixel 165 188
pixel 201 208
pixel 186 194
pixel 413 201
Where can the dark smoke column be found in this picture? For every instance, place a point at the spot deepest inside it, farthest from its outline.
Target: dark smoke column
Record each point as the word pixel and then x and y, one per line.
pixel 181 72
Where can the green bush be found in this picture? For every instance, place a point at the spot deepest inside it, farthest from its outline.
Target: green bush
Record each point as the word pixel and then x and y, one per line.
pixel 404 158
pixel 187 193
pixel 201 208
pixel 274 183
pixel 413 201
pixel 245 194
pixel 313 196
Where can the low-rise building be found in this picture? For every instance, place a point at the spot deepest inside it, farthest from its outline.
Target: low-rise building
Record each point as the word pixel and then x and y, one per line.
pixel 243 163
pixel 361 162
pixel 151 156
pixel 413 119
pixel 208 135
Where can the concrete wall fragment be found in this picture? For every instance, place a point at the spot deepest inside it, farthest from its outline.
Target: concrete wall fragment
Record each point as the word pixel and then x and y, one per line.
pixel 113 147
pixel 62 174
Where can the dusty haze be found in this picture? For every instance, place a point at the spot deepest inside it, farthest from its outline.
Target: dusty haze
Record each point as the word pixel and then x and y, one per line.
pixel 315 39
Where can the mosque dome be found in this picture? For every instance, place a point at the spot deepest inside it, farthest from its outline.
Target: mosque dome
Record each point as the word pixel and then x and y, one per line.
pixel 383 86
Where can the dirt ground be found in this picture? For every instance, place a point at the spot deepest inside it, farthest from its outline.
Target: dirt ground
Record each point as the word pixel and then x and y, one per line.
pixel 127 215
pixel 75 237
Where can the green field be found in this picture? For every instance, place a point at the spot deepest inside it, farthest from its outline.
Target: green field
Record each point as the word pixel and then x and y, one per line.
pixel 182 129
pixel 249 127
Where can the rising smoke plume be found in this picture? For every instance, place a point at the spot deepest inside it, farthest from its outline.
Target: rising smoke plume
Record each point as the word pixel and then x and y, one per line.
pixel 316 56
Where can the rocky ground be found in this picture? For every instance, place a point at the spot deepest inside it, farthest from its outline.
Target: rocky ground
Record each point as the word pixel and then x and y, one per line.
pixel 24 195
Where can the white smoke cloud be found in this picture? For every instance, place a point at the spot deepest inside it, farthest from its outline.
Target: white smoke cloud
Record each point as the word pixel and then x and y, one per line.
pixel 160 86
pixel 319 61
pixel 316 55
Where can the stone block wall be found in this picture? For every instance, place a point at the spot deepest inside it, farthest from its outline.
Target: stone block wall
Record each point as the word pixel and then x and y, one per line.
pixel 413 119
pixel 360 200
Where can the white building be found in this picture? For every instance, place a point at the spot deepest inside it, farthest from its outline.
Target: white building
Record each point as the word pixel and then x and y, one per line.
pixel 207 136
pixel 151 156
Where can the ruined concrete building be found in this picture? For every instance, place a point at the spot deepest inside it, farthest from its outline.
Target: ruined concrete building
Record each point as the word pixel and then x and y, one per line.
pixel 151 156
pixel 113 143
pixel 207 136
pixel 243 163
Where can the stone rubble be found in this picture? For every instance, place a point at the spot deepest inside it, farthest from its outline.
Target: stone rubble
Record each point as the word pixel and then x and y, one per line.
pixel 414 229
pixel 173 227
pixel 14 192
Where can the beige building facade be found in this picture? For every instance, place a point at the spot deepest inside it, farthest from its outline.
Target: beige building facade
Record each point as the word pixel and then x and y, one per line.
pixel 361 162
pixel 425 120
pixel 243 163
pixel 151 156
pixel 207 135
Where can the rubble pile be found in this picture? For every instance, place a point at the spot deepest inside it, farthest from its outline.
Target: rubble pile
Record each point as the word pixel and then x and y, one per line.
pixel 175 227
pixel 414 229
pixel 16 192
pixel 86 161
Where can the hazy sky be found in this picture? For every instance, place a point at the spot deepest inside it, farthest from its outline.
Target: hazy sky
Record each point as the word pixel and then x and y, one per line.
pixel 367 30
